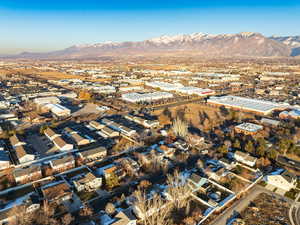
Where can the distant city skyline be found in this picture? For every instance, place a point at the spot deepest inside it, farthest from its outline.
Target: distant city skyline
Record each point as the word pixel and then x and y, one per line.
pixel 52 25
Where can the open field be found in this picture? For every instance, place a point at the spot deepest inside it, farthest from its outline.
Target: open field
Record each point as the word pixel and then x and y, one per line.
pixel 266 209
pixel 58 75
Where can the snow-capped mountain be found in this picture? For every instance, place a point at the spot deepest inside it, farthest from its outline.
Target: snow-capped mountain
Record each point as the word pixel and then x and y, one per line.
pixel 245 44
pixel 291 41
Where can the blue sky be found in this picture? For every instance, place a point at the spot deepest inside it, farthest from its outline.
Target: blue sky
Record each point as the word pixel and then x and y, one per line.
pixel 35 25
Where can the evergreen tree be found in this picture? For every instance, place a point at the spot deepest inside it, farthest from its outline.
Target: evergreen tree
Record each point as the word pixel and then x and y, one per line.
pixel 272 154
pixel 262 147
pixel 237 144
pixel 249 147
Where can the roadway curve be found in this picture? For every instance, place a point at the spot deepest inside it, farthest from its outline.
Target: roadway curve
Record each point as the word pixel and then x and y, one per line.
pixel 296 209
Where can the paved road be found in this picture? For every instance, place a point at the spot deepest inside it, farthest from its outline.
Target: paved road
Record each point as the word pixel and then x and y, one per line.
pixel 297 222
pixel 241 204
pixel 295 218
pixel 288 162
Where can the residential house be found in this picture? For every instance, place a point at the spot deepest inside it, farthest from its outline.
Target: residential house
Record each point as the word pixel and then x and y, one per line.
pixel 96 125
pixel 124 217
pixel 62 164
pixel 111 169
pixel 216 175
pixel 197 182
pixel 22 154
pixel 15 141
pixel 228 164
pixel 245 158
pixel 93 154
pixel 50 134
pixel 62 145
pixel 118 127
pixel 143 122
pixel 108 132
pixel 167 151
pixel 129 164
pixel 285 181
pixel 24 175
pixel 79 140
pixel 57 192
pixel 88 182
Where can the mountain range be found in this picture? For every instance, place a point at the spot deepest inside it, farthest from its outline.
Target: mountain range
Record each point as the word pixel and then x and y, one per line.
pixel 245 44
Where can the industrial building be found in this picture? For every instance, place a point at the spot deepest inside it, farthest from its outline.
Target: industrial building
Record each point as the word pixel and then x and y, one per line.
pixel 189 90
pixel 164 85
pixel 58 110
pixel 147 97
pixel 46 100
pixel 247 104
pixel 248 128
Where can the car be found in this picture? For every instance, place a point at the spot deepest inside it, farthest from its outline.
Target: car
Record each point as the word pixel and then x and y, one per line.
pixel 291 162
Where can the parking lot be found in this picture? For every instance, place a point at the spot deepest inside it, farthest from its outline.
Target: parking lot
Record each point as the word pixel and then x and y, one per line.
pixel 41 144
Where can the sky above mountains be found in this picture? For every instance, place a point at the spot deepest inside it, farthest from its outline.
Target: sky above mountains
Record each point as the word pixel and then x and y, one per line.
pixel 35 25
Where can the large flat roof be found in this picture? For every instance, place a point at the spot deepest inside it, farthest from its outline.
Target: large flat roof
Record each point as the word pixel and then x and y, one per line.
pixel 248 103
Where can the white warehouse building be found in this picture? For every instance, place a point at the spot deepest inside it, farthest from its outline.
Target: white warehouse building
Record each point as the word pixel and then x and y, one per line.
pixel 58 110
pixel 46 100
pixel 195 91
pixel 164 85
pixel 147 97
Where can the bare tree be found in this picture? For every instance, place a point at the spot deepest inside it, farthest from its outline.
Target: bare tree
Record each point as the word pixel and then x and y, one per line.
pixel 67 219
pixel 180 127
pixel 110 208
pixel 18 216
pixel 153 210
pixel 178 189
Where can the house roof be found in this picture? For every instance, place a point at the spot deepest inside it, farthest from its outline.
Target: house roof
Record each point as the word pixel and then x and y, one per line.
pixel 108 130
pixel 77 138
pixel 110 169
pixel 224 160
pixel 24 171
pixel 20 151
pixel 64 160
pixel 93 151
pixel 49 132
pixel 289 176
pixel 69 130
pixel 246 156
pixel 56 190
pixel 124 217
pixel 14 140
pixel 96 124
pixel 59 142
pixel 195 178
pixel 86 178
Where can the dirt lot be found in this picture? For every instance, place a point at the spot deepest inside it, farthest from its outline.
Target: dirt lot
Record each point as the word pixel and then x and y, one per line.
pixel 192 113
pixel 266 210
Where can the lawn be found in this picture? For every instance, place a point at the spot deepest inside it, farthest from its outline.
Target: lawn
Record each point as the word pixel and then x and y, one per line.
pixel 292 194
pixel 86 196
